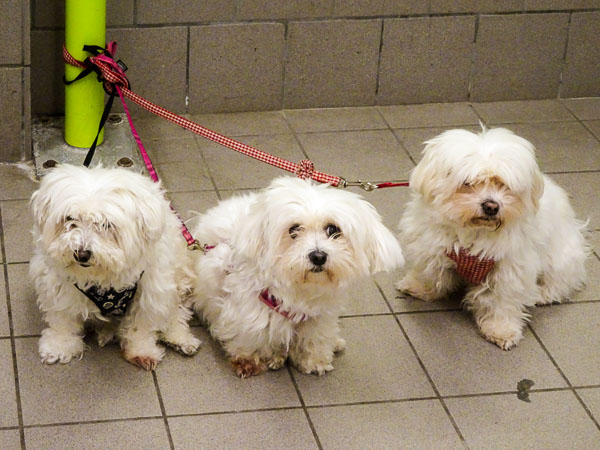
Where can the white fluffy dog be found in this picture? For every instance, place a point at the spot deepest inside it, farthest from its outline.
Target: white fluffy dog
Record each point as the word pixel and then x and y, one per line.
pixel 481 204
pixel 98 235
pixel 272 281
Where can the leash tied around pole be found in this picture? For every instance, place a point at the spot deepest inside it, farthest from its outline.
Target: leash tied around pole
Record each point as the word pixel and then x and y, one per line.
pixel 112 74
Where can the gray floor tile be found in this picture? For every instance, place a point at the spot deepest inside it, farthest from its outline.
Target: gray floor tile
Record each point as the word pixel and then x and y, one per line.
pixel 11 440
pixel 184 176
pixel 26 316
pixel 594 127
pixel 591 291
pixel 4 326
pixel 429 115
pixel 374 366
pixel 100 386
pixel 250 430
pixel 233 170
pixel 174 150
pixel 389 202
pixel 334 119
pixel 523 111
pixel 365 155
pixel 413 139
pixel 553 420
pixel 584 108
pixel 414 424
pixel 17 223
pixel 151 127
pixel 212 386
pixel 365 298
pixel 8 399
pixel 403 303
pixel 571 334
pixel 123 435
pixel 17 183
pixel 189 203
pixel 561 146
pixel 594 241
pixel 460 361
pixel 591 397
pixel 583 191
pixel 243 124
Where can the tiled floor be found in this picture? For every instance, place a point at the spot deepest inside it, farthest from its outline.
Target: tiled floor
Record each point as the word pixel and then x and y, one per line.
pixel 414 375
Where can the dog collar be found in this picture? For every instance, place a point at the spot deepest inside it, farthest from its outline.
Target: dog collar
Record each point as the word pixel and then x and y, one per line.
pixel 109 301
pixel 274 303
pixel 471 268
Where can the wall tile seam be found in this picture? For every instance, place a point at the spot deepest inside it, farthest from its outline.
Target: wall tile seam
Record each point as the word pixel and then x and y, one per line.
pixel 135 25
pixel 564 62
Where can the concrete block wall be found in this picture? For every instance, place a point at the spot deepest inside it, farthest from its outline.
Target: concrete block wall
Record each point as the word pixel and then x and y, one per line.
pixel 15 114
pixel 199 56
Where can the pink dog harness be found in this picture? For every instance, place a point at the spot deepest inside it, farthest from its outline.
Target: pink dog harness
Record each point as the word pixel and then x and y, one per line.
pixel 274 303
pixel 471 268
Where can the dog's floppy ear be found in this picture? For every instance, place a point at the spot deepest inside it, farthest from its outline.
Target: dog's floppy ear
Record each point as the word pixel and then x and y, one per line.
pixel 251 239
pixel 381 246
pixel 425 177
pixel 146 207
pixel 537 189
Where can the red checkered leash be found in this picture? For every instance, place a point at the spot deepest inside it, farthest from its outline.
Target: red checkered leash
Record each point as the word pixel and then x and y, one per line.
pixel 112 74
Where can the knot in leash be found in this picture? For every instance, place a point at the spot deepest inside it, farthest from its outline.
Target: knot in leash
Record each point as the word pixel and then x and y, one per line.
pixel 101 62
pixel 306 169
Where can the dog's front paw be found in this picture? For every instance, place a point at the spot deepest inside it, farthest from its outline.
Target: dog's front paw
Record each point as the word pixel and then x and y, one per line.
pixel 145 356
pixel 276 362
pixel 187 345
pixel 62 348
pixel 411 286
pixel 503 333
pixel 318 364
pixel 247 367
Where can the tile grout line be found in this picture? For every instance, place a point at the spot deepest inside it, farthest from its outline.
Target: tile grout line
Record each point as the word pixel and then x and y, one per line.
pixel 562 374
pixel 12 333
pixel 205 164
pixel 163 410
pixel 398 140
pixel 294 134
pixel 304 408
pixel 580 121
pixel 429 378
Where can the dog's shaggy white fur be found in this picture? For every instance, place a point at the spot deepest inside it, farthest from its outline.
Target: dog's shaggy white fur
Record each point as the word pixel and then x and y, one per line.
pixel 109 228
pixel 485 193
pixel 305 243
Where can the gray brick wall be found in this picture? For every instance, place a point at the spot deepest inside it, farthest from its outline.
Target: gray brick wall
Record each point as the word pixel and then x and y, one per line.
pixel 15 116
pixel 244 55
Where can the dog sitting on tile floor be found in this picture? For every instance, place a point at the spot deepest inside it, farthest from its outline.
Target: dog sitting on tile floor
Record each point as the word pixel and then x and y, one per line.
pixel 485 217
pixel 271 284
pixel 107 251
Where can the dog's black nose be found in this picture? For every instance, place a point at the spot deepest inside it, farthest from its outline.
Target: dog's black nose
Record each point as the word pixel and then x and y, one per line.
pixel 317 257
pixel 82 256
pixel 490 207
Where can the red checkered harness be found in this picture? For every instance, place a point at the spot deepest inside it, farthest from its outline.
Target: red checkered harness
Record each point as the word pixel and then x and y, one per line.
pixel 471 268
pixel 112 74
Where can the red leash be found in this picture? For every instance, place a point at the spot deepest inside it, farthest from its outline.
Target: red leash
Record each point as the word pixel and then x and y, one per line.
pixel 114 75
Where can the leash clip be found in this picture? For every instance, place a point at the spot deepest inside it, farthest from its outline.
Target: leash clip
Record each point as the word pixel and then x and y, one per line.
pixel 365 185
pixel 195 246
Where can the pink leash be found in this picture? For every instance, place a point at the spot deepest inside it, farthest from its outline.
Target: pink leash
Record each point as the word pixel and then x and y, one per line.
pixel 112 74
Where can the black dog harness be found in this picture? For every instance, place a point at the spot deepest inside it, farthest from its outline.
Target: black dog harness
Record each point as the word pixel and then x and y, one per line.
pixel 110 302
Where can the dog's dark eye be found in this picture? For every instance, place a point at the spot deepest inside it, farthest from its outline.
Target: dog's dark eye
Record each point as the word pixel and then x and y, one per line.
pixel 294 230
pixel 70 225
pixel 69 218
pixel 467 184
pixel 333 231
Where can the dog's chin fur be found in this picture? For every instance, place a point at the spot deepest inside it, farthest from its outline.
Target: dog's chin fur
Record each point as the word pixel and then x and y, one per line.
pixel 264 241
pixel 536 242
pixel 123 223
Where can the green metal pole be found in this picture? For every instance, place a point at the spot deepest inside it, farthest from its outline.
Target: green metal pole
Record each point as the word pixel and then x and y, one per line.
pixel 85 24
